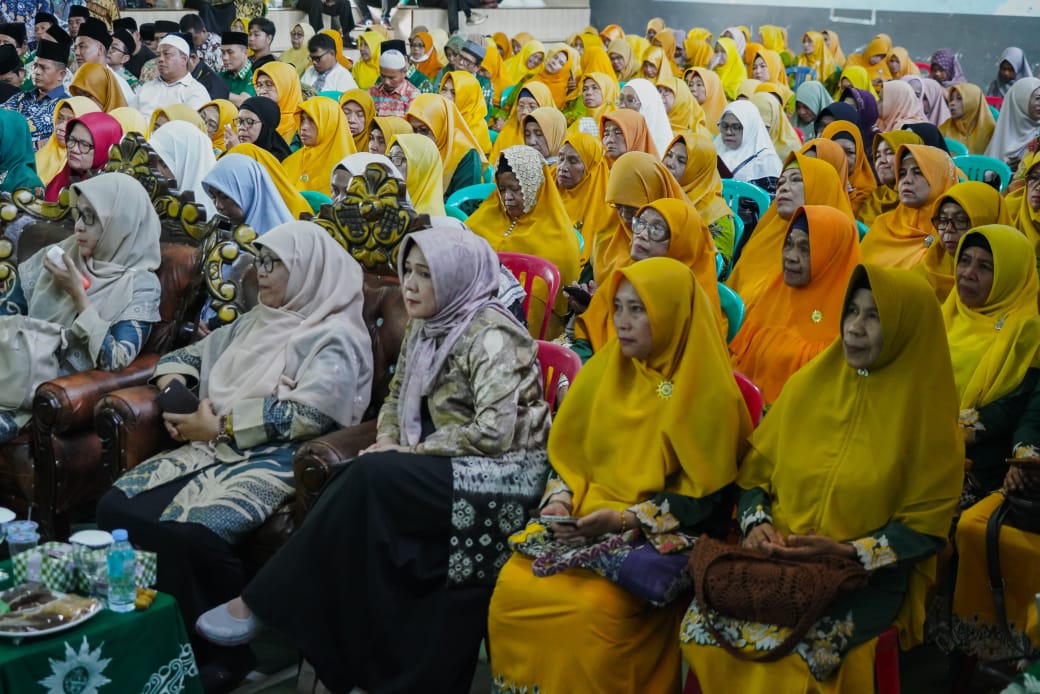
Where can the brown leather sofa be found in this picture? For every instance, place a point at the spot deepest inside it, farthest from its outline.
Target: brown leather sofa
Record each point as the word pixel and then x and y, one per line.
pixel 129 425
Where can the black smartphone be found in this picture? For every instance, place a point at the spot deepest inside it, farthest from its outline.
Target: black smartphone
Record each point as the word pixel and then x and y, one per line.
pixel 177 398
pixel 578 294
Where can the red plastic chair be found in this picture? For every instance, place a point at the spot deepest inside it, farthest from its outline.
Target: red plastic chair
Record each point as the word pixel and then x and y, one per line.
pixel 995 101
pixel 925 68
pixel 801 135
pixel 555 361
pixel 526 268
pixel 752 396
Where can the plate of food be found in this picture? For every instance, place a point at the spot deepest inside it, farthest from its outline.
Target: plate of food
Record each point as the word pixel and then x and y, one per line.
pixel 36 610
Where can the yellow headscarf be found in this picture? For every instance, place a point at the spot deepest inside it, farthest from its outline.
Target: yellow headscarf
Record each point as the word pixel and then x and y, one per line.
pixel 837 55
pixel 774 37
pixel 755 269
pixel 611 32
pixel 608 86
pixel 226 113
pixel 993 345
pixel 178 112
pixel 52 157
pixel 862 177
pixel 503 44
pixel 296 203
pixel 585 202
pixel 362 98
pixel 289 96
pixel 808 454
pixel 299 58
pixel 747 88
pixel 686 113
pixel 512 133
pixel 310 167
pixel 700 180
pixel 781 132
pixel 388 126
pixel 698 51
pixel 820 60
pixel 453 136
pixel 666 40
pixel 496 70
pixel 984 205
pixel 907 66
pixel 732 72
pixel 424 180
pixel 130 119
pixel 858 78
pixel 553 126
pixel 788 326
pixel 632 63
pixel 901 237
pixel 366 72
pixel 656 25
pixel 775 64
pixel 885 198
pixel 616 410
pixel 516 67
pixel 659 59
pixel 337 38
pixel 715 98
pixel 100 84
pixel 975 127
pixel 469 100
pixel 1022 213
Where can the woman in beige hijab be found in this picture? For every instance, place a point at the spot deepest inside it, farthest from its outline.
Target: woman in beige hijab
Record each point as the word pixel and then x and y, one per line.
pixel 295 366
pixel 96 311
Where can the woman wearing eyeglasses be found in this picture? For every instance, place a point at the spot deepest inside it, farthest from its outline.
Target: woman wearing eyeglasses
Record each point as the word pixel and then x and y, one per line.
pixel 294 367
pixel 87 141
pixel 745 147
pixel 257 124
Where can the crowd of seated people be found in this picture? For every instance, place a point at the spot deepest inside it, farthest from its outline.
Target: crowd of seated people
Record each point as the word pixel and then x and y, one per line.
pixel 723 213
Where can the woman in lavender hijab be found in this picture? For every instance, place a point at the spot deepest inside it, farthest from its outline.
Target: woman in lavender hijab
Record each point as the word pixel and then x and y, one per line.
pixel 1011 67
pixel 397 559
pixel 946 69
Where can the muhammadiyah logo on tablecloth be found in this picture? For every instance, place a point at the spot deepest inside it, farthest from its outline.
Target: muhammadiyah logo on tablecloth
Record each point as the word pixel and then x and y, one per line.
pixel 79 673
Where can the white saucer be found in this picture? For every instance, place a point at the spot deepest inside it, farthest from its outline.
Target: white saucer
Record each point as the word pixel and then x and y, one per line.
pixel 92 538
pixel 6 515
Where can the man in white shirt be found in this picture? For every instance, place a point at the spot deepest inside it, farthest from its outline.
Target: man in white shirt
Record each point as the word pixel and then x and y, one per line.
pixel 174 85
pixel 91 46
pixel 325 72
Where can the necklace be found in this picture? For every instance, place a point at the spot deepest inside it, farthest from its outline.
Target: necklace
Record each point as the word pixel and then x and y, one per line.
pixel 512 225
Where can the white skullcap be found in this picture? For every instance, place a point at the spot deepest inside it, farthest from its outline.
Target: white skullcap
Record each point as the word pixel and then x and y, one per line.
pixel 177 42
pixel 393 60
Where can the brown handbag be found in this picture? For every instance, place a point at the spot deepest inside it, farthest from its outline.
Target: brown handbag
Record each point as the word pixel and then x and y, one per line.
pixel 746 584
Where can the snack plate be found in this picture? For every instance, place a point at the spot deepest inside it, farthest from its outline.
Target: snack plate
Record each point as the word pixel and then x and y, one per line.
pixel 19 635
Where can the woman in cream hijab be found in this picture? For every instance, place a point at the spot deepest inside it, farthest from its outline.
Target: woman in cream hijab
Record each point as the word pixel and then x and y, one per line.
pixel 64 327
pixel 295 366
pixel 187 155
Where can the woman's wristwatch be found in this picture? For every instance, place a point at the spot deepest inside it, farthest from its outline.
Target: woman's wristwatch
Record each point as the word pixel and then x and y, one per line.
pixel 225 434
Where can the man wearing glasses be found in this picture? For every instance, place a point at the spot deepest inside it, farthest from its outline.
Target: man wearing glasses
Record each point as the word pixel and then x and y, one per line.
pixel 119 53
pixel 325 72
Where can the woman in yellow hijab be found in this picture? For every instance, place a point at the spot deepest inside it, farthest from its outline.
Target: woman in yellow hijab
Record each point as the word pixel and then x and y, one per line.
pixel 556 73
pixel 98 83
pixel 52 157
pixel 469 100
pixel 217 115
pixel 532 95
pixel 731 69
pixel 611 32
pixel 528 216
pixel 806 490
pixel 503 44
pixel 800 311
pixel 130 119
pixel 626 400
pixel 623 59
pixel 706 87
pixel 698 51
pixel 422 170
pixel 599 94
pixel 815 55
pixel 861 176
pixel 544 129
pixel 297 204
pixel 885 197
pixel 900 64
pixel 366 70
pixel 298 55
pixel 967 205
pixel 383 129
pixel 655 64
pixel 665 39
pixel 667 228
pixel 856 76
pixel 288 96
pixel 901 237
pixel 581 177
pixel 1023 203
pixel 527 63
pixel 971 122
pixel 359 109
pixel 496 72
pixel 876 52
pixel 774 38
pixel 833 43
pixel 804 181
pixel 636 179
pixel 461 155
pixel 164 114
pixel 326 138
pixel 768 66
pixel 684 113
pixel 781 132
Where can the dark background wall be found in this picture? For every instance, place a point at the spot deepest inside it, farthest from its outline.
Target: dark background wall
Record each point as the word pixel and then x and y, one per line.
pixel 977 39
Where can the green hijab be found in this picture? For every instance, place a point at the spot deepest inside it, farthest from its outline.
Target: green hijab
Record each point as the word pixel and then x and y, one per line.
pixel 17 158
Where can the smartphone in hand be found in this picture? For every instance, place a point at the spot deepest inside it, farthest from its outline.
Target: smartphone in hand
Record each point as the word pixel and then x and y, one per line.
pixel 177 398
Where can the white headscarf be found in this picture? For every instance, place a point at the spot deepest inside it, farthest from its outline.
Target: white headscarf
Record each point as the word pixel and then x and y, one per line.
pixel 355 164
pixel 755 158
pixel 1014 126
pixel 653 111
pixel 188 153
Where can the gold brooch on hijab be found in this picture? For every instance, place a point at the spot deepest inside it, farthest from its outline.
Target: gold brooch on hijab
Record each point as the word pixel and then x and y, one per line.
pixel 664 390
pixel 817 316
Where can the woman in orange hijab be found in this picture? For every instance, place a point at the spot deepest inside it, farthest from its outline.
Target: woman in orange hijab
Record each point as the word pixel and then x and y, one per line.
pixel 901 238
pixel 429 65
pixel 706 87
pixel 900 64
pixel 288 95
pixel 666 40
pixel 98 83
pixel 861 177
pixel 359 109
pixel 495 71
pixel 503 44
pixel 326 138
pixel 624 131
pixel 804 181
pixel 799 313
pixel 557 73
pixel 611 32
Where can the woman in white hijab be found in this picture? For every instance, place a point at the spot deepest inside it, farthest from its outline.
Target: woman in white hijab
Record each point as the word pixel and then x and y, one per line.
pixel 1018 123
pixel 297 365
pixel 746 148
pixel 95 310
pixel 187 154
pixel 640 95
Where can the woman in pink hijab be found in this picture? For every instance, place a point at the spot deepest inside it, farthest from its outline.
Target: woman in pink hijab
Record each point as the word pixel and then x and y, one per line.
pixel 898 106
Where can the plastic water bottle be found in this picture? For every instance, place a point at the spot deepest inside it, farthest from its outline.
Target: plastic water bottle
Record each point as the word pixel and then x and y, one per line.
pixel 122 588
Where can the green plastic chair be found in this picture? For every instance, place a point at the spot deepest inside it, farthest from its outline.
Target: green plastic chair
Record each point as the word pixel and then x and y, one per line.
pixel 975 167
pixel 733 190
pixel 455 213
pixel 862 229
pixel 956 147
pixel 315 199
pixel 733 306
pixel 478 193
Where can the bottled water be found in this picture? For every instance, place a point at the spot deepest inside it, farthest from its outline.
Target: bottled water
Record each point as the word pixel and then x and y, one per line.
pixel 122 588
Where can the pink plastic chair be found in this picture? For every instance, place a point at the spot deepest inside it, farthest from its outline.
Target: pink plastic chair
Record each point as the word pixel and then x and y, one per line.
pixel 995 101
pixel 555 361
pixel 526 268
pixel 752 396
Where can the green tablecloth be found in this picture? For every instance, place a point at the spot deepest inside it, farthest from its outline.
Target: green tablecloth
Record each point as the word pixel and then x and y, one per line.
pixel 141 651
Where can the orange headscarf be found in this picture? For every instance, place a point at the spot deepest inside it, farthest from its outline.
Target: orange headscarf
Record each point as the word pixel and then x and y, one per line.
pixel 586 202
pixel 633 127
pixel 832 153
pixel 907 66
pixel 309 167
pixel 901 238
pixel 98 83
pixel 503 44
pixel 430 66
pixel 611 32
pixel 557 82
pixel 496 70
pixel 862 179
pixel 337 38
pixel 715 99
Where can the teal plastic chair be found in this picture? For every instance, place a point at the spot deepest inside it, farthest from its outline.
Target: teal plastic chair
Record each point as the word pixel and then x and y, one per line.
pixel 975 167
pixel 720 264
pixel 315 199
pixel 733 306
pixel 956 147
pixel 862 229
pixel 733 190
pixel 995 111
pixel 477 193
pixel 455 213
pixel 493 134
pixel 489 174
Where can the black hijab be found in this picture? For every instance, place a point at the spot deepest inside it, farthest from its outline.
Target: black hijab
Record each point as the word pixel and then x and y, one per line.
pixel 269 114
